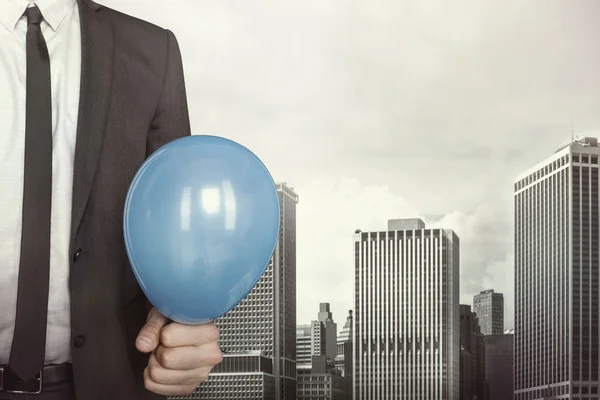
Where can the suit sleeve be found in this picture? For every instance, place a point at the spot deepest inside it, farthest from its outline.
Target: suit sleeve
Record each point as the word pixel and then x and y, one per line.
pixel 171 119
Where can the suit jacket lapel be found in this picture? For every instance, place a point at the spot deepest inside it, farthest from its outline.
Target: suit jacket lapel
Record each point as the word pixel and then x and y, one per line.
pixel 96 78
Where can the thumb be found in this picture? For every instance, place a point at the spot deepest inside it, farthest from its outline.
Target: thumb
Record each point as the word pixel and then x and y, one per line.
pixel 149 335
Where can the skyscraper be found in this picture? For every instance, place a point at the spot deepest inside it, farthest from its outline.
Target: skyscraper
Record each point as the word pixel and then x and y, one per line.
pixel 284 288
pixel 406 336
pixel 262 326
pixel 557 314
pixel 489 307
pixel 326 319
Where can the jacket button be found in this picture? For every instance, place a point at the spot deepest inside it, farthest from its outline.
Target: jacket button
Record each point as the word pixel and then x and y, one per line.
pixel 77 254
pixel 79 341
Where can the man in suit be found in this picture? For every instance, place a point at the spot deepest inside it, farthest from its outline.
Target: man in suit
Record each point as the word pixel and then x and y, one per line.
pixel 87 94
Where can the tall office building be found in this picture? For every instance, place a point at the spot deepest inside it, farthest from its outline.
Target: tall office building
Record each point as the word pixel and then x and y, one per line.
pixel 489 307
pixel 557 310
pixel 406 322
pixel 262 326
pixel 326 319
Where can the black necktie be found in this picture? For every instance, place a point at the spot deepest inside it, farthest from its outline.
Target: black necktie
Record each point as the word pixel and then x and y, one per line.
pixel 29 343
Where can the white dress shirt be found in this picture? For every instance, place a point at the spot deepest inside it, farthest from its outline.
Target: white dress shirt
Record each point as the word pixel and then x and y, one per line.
pixel 61 31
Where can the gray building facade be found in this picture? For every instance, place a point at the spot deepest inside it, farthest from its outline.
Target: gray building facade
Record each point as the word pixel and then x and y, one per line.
pixel 557 310
pixel 326 318
pixel 406 322
pixel 499 366
pixel 311 340
pixel 303 344
pixel 489 307
pixel 471 342
pixel 465 375
pixel 247 376
pixel 320 380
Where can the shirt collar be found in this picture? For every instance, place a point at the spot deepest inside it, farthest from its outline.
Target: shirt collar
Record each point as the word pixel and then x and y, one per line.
pixel 54 11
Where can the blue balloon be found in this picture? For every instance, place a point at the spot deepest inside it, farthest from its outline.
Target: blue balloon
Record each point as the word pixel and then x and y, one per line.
pixel 201 223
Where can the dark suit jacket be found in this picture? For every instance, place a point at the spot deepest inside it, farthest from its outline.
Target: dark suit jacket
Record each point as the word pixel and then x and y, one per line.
pixel 133 101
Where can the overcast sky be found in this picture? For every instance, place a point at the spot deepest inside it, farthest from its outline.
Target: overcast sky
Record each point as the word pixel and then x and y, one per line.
pixel 376 109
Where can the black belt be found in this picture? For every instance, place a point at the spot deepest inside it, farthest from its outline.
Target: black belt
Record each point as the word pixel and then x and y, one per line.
pixel 51 375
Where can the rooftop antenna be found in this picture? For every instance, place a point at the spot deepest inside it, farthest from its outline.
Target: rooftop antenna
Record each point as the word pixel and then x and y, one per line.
pixel 572 127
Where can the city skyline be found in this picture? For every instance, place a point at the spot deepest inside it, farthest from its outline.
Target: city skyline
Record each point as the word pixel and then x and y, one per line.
pixel 391 109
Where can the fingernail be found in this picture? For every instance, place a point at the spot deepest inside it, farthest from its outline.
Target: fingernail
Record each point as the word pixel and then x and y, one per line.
pixel 144 342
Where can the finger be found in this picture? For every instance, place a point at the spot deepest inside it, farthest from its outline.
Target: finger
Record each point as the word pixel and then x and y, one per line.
pixel 177 335
pixel 167 377
pixel 189 357
pixel 149 335
pixel 167 390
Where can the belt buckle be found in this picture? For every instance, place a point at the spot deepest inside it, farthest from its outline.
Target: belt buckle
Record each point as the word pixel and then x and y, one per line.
pixel 18 386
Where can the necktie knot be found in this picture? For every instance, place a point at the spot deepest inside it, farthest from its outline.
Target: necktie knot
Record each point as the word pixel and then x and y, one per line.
pixel 34 15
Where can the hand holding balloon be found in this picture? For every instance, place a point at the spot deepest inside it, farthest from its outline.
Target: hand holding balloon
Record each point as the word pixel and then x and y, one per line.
pixel 182 355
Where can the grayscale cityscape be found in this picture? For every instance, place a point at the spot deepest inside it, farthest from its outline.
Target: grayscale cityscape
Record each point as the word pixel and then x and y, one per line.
pixel 408 336
pixel 437 169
